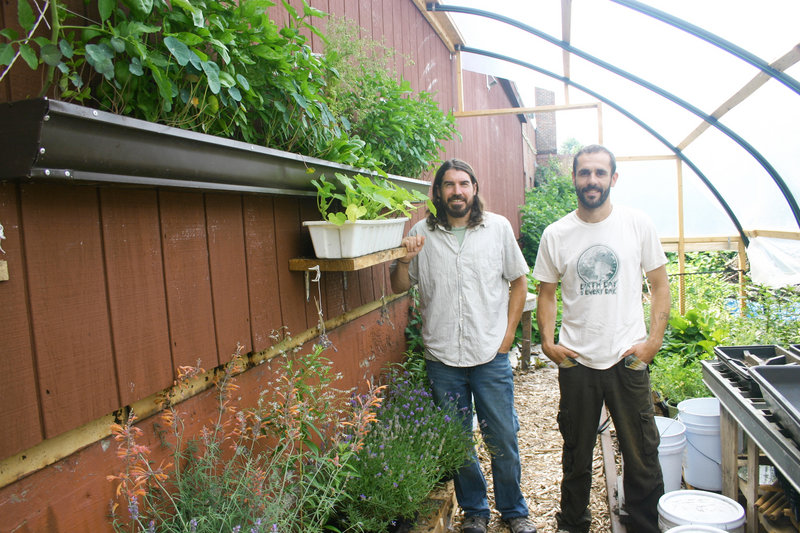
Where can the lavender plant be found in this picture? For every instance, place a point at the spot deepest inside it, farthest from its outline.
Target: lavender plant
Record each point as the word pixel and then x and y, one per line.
pixel 412 446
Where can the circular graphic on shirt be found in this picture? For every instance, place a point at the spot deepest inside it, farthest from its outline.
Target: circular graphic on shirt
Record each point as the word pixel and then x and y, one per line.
pixel 597 264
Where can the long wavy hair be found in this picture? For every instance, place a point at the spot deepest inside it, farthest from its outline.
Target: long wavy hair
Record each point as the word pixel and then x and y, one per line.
pixel 476 213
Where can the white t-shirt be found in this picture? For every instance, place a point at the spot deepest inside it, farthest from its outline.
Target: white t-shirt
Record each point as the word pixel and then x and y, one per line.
pixel 600 266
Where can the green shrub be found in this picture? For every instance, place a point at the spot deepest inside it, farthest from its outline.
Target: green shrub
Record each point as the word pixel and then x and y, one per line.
pixel 676 372
pixel 544 204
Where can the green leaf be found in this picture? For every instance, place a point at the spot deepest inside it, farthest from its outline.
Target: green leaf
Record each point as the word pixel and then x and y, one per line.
pixel 163 83
pixel 235 93
pixel 6 53
pixel 312 11
pixel 105 7
pixel 197 15
pixel 25 17
pixel 51 54
pixel 189 39
pixel 99 56
pixel 226 80
pixel 118 45
pixel 179 50
pixel 63 67
pixel 212 74
pixel 243 83
pixel 10 34
pixel 136 67
pixel 251 8
pixel 29 56
pixel 66 48
pixel 141 7
pixel 221 49
pixel 136 28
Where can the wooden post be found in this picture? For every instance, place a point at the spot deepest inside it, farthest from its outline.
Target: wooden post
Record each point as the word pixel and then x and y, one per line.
pixel 600 123
pixel 681 243
pixel 459 84
pixel 730 455
pixel 742 287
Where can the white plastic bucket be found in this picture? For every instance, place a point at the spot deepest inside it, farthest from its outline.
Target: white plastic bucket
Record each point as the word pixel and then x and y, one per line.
pixel 671 451
pixel 703 461
pixel 699 508
pixel 695 529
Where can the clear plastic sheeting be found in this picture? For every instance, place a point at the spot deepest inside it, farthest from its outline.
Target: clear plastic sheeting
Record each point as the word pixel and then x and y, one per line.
pixel 774 262
pixel 712 128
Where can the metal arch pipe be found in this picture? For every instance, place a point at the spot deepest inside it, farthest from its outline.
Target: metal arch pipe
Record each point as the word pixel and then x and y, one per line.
pixel 632 117
pixel 782 186
pixel 713 39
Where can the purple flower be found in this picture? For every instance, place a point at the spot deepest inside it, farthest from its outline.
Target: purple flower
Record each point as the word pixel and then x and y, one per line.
pixel 193 525
pixel 133 508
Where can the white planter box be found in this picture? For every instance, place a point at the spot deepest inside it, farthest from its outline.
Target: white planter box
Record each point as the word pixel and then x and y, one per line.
pixel 354 239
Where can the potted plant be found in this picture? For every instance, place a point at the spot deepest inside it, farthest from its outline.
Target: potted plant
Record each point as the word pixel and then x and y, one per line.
pixel 361 215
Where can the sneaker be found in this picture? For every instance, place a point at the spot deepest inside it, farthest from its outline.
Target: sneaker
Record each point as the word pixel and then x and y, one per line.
pixel 475 524
pixel 521 524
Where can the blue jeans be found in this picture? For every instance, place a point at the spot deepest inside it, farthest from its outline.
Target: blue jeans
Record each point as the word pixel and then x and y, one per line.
pixel 491 387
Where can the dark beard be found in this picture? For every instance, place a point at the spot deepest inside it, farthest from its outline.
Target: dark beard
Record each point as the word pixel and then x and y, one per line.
pixel 595 203
pixel 457 213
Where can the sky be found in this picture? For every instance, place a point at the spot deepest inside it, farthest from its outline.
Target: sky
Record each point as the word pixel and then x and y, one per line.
pixel 689 68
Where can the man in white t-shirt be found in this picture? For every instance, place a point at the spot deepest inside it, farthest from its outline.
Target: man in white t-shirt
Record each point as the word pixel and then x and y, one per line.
pixel 598 253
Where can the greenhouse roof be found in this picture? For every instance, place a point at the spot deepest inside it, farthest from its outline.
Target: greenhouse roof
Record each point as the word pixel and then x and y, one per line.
pixel 700 101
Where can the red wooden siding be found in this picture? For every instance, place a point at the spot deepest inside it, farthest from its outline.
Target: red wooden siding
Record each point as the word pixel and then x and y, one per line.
pixel 137 308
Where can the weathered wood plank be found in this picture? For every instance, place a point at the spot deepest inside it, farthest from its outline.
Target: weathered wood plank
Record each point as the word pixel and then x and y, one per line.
pixel 136 298
pixel 186 271
pixel 68 303
pixel 228 264
pixel 18 395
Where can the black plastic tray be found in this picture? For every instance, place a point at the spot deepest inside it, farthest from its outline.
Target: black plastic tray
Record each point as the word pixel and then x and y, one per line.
pixel 734 356
pixel 780 386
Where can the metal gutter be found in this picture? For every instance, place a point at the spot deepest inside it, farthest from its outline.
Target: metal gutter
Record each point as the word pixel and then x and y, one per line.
pixel 45 139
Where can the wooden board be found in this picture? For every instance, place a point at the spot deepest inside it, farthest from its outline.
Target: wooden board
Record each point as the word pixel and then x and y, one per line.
pixel 186 270
pixel 68 303
pixel 228 266
pixel 136 297
pixel 347 264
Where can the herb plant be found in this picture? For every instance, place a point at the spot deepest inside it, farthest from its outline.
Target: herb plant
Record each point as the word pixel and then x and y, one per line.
pixel 411 447
pixel 363 198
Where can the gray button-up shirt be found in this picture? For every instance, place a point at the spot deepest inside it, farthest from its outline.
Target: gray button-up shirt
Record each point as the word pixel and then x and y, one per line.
pixel 464 290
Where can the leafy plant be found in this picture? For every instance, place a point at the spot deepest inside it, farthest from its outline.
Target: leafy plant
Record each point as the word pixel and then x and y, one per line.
pixel 544 204
pixel 404 131
pixel 282 465
pixel 362 198
pixel 413 444
pixel 676 372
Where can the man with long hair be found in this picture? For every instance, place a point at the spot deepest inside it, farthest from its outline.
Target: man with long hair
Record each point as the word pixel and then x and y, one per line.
pixel 472 287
